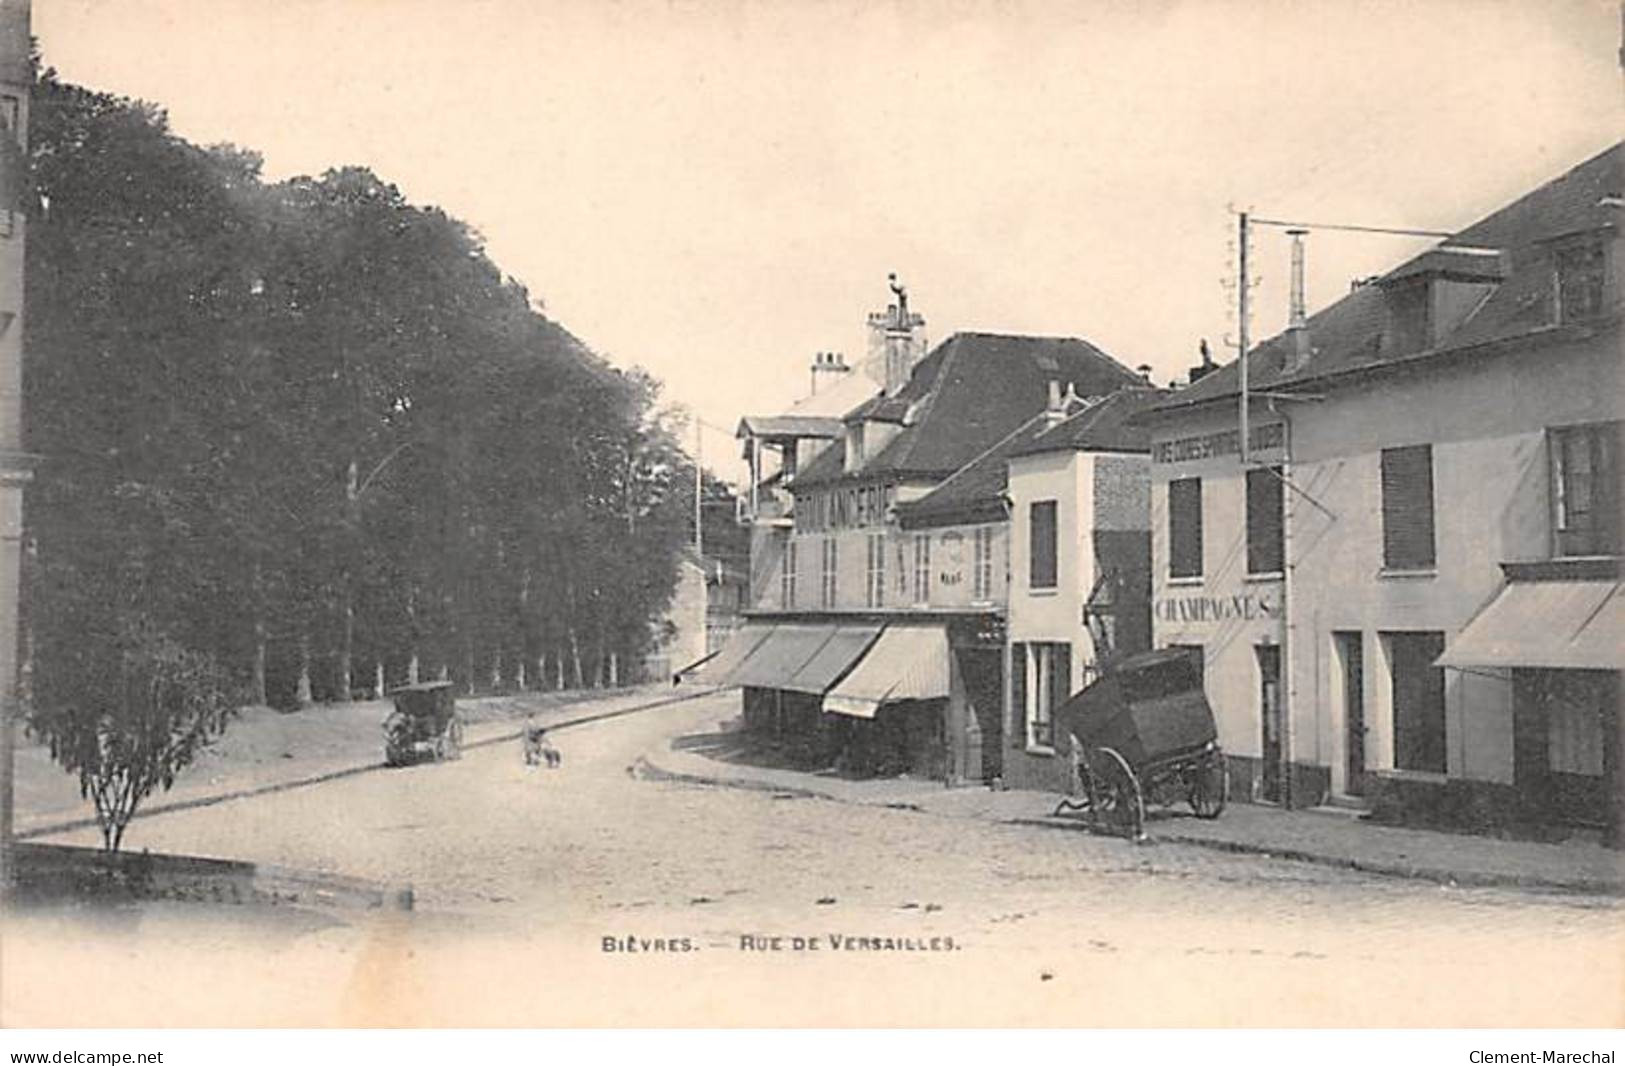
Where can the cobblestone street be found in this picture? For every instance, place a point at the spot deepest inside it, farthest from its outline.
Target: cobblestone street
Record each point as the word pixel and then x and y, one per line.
pixel 520 873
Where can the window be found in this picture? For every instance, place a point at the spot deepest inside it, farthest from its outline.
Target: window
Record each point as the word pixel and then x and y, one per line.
pixel 1579 281
pixel 1407 508
pixel 1264 521
pixel 982 565
pixel 922 567
pixel 1585 489
pixel 1418 700
pixel 1041 564
pixel 828 573
pixel 1185 527
pixel 875 586
pixel 787 576
pixel 1041 678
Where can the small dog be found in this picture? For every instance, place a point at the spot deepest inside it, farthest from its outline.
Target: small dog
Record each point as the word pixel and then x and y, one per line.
pixel 539 749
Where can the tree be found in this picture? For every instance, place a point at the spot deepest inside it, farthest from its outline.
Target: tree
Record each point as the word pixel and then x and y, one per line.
pixel 140 710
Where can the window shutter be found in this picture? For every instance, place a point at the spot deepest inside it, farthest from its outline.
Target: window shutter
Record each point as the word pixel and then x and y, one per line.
pixel 1264 521
pixel 1060 676
pixel 1185 527
pixel 1042 564
pixel 1407 508
pixel 1018 693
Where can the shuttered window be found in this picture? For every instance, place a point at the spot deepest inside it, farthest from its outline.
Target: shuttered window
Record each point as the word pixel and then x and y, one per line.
pixel 1264 500
pixel 982 587
pixel 922 567
pixel 876 584
pixel 1185 527
pixel 830 570
pixel 1585 488
pixel 1041 563
pixel 1018 687
pixel 1407 508
pixel 787 576
pixel 1041 680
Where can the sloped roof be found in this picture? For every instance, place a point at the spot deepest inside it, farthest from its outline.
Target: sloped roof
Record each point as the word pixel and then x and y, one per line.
pixel 974 492
pixel 1107 426
pixel 836 398
pixel 789 426
pixel 967 394
pixel 1348 335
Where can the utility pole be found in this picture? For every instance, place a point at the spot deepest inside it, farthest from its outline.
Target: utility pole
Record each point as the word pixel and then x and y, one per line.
pixel 699 486
pixel 1242 295
pixel 16 83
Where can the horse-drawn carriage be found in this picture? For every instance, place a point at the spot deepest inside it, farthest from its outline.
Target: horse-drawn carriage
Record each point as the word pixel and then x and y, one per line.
pixel 425 725
pixel 1142 733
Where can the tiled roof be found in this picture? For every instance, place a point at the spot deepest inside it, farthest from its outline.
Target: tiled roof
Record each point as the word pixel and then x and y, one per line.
pixel 1348 336
pixel 789 426
pixel 967 394
pixel 1107 426
pixel 974 492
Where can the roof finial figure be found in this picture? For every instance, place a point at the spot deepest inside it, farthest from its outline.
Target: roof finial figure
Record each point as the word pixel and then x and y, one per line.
pixel 901 292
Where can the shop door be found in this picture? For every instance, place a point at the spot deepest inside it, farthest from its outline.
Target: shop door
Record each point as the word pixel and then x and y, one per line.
pixel 1269 714
pixel 1351 660
pixel 1576 731
pixel 1418 700
pixel 984 683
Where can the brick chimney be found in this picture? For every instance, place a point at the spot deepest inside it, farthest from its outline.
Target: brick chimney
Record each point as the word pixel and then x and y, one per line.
pixel 828 367
pixel 896 339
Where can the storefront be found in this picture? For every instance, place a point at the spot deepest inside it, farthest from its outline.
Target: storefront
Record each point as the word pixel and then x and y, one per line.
pixel 873 696
pixel 1562 630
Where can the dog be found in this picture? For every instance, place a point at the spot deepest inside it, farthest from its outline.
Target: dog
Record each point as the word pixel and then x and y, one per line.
pixel 538 749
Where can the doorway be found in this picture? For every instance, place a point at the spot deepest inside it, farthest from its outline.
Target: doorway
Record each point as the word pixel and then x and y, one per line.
pixel 1418 701
pixel 1269 715
pixel 1350 647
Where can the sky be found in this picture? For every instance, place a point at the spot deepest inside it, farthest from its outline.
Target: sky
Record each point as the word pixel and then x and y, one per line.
pixel 717 190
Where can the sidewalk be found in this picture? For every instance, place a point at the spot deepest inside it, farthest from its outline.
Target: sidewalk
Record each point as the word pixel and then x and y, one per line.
pixel 271 752
pixel 1324 837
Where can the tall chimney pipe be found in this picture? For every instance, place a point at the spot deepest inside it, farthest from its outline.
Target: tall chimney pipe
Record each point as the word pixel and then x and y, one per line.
pixel 1297 309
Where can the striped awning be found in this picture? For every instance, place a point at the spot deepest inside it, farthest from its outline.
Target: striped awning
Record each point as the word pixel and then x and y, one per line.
pixel 781 656
pixel 908 662
pixel 841 651
pixel 1563 625
pixel 718 669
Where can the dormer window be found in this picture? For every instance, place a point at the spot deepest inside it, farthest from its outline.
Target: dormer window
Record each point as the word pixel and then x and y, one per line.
pixel 1408 325
pixel 1579 281
pixel 854 447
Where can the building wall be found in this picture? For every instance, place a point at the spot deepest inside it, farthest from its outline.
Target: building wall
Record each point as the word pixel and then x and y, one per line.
pixel 1486 421
pixel 688 641
pixel 1101 513
pixel 951 577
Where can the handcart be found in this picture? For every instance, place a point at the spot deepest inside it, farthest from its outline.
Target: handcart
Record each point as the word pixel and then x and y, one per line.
pixel 1142 733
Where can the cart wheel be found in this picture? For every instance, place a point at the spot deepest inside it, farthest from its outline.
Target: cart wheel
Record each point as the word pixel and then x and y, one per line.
pixel 1118 800
pixel 1210 785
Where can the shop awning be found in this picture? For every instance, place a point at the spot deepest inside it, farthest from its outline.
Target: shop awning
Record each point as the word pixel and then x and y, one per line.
pixel 781 656
pixel 745 640
pixel 1563 625
pixel 845 646
pixel 908 662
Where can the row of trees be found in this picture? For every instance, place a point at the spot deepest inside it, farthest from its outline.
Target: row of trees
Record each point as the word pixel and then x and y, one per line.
pixel 305 438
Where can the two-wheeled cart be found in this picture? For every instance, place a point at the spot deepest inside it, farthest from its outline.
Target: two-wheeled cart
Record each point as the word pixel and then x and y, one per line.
pixel 1142 733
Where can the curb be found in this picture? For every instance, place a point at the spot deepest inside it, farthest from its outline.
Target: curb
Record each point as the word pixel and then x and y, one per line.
pixel 59 871
pixel 647 769
pixel 343 772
